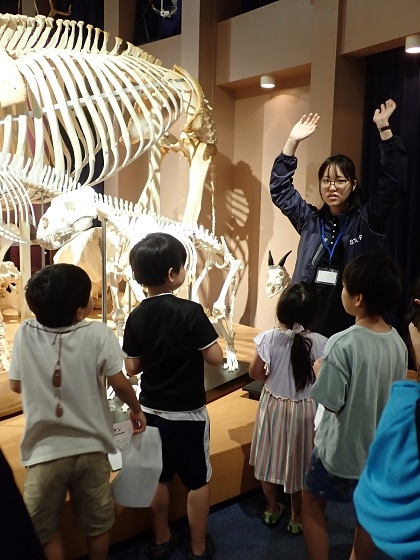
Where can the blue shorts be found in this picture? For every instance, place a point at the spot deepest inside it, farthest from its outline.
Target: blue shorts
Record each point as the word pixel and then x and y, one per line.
pixel 321 483
pixel 185 450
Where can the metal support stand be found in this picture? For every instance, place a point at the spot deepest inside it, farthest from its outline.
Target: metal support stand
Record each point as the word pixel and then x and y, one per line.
pixel 103 250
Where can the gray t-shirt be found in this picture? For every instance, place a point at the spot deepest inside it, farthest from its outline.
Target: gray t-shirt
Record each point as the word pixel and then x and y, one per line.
pixel 354 383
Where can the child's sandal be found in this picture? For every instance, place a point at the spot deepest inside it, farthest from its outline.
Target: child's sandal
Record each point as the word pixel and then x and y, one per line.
pixel 294 528
pixel 272 519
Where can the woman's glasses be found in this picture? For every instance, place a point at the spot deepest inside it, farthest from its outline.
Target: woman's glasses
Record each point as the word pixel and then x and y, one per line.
pixel 339 184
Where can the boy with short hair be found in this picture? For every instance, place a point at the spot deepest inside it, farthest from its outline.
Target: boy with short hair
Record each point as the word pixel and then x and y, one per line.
pixel 58 363
pixel 354 379
pixel 167 339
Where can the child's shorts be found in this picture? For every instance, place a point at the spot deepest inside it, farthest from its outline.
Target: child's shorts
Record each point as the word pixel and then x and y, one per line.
pixel 86 477
pixel 321 483
pixel 185 446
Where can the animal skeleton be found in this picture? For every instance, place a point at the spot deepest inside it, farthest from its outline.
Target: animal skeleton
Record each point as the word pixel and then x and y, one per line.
pixel 68 96
pixel 64 97
pixel 197 142
pixel 53 10
pixel 277 276
pixel 10 288
pixel 74 211
pixel 164 13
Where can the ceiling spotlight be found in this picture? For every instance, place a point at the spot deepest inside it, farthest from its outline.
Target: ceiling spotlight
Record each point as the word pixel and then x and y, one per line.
pixel 412 44
pixel 267 81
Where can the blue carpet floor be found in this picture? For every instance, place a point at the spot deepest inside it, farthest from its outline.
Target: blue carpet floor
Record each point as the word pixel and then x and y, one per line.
pixel 239 534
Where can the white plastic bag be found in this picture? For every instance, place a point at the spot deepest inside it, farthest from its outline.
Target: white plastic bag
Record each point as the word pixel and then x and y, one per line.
pixel 135 485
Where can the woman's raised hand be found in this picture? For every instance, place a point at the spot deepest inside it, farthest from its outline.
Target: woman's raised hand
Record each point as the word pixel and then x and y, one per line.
pixel 304 127
pixel 381 115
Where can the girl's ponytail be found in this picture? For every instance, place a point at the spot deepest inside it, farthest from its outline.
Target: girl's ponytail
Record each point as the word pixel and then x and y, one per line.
pixel 297 308
pixel 300 357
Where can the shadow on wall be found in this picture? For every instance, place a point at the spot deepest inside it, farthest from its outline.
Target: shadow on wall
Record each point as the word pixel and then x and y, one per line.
pixel 243 202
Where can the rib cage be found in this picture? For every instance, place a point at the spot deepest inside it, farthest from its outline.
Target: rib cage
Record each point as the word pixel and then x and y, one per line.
pixel 78 98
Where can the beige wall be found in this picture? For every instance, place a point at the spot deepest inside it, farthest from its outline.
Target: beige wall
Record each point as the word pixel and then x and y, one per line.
pixel 377 25
pixel 316 50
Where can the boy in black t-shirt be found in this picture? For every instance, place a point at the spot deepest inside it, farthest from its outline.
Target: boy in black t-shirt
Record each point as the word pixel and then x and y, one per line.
pixel 167 339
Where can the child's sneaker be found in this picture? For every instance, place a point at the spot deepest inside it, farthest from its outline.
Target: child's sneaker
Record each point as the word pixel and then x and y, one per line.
pixel 164 551
pixel 208 552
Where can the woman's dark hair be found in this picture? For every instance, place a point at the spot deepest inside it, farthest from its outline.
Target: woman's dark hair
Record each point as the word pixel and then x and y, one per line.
pixel 298 303
pixel 348 169
pixel 56 292
pixel 153 256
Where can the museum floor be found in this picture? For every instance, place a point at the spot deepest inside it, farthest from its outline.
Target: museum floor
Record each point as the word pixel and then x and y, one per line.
pixel 239 534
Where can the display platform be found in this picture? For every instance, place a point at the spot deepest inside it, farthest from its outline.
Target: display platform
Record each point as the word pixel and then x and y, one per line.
pixel 219 381
pixel 254 389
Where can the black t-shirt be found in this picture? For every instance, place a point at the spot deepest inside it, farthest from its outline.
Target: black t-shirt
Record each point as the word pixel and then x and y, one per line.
pixel 168 334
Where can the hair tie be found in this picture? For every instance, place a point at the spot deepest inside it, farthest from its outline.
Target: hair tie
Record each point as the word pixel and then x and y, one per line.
pixel 297 328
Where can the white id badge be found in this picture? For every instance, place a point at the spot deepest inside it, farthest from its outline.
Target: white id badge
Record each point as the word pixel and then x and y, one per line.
pixel 326 276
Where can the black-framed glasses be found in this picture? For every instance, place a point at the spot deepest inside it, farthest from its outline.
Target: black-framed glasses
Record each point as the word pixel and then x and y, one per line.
pixel 337 183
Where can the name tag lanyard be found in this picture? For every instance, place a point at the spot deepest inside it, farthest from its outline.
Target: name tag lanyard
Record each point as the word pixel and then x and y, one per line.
pixel 331 251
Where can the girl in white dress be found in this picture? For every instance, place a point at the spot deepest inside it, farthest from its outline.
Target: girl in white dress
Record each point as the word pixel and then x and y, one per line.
pixel 283 436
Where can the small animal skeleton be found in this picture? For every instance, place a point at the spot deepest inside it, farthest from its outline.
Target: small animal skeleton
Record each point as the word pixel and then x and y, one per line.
pixel 73 212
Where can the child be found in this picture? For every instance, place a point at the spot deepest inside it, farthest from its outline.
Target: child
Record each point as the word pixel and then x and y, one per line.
pixel 387 498
pixel 58 362
pixel 167 339
pixel 353 383
pixel 284 430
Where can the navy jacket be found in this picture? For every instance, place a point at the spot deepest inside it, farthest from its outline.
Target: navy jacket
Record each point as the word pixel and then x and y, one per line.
pixel 365 230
